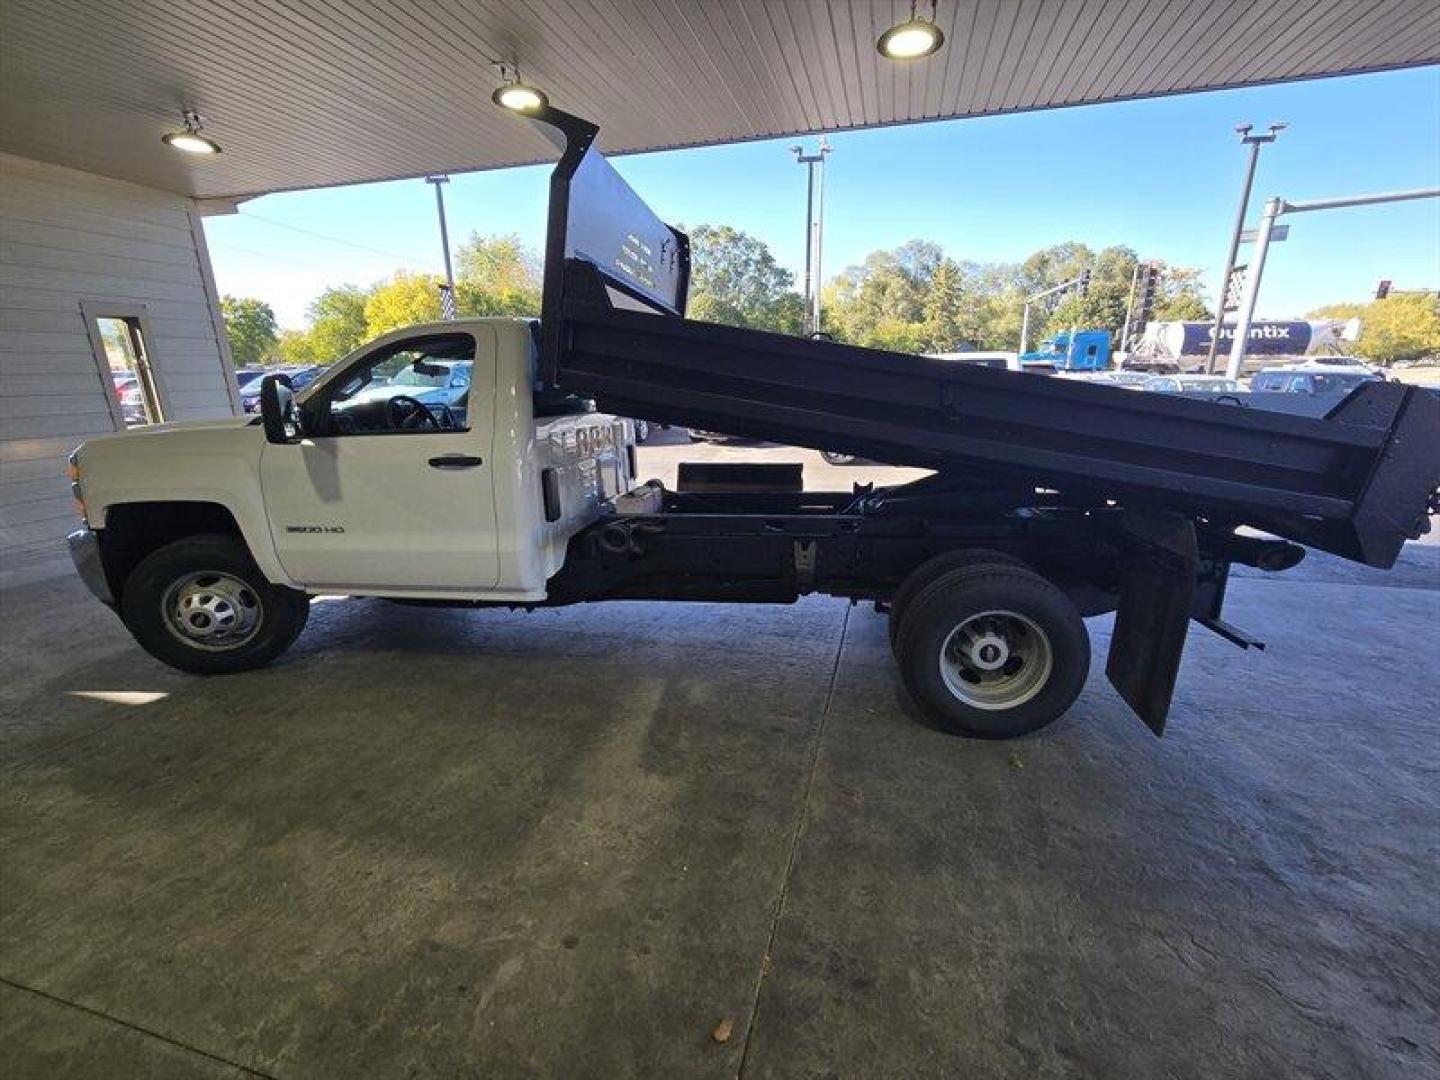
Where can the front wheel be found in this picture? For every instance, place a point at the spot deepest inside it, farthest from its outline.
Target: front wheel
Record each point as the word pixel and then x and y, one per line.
pixel 992 651
pixel 201 605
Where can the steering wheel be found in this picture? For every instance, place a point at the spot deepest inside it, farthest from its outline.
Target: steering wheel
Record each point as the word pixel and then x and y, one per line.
pixel 406 414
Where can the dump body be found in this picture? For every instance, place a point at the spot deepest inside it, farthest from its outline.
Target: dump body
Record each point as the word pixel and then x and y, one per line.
pixel 1357 482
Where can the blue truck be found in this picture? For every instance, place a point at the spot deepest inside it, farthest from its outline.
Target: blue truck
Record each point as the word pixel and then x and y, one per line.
pixel 1071 350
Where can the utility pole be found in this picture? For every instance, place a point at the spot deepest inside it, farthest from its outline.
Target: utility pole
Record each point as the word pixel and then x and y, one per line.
pixel 444 238
pixel 814 228
pixel 1274 208
pixel 1254 142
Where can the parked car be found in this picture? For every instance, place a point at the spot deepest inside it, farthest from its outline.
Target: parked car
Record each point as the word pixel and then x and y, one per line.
pixel 438 385
pixel 1125 380
pixel 1309 379
pixel 300 377
pixel 697 435
pixel 132 398
pixel 1191 384
pixel 1348 363
pixel 245 376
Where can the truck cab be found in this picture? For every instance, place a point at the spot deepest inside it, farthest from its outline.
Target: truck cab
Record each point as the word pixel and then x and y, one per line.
pixel 431 467
pixel 1071 350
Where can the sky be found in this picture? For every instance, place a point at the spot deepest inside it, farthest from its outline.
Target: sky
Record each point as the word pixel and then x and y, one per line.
pixel 1162 176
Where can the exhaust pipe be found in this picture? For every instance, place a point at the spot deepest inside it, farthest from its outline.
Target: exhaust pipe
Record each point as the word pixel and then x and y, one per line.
pixel 1263 554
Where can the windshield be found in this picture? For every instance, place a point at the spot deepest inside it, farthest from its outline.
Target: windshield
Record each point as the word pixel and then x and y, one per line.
pixel 1329 384
pixel 411 377
pixel 1220 386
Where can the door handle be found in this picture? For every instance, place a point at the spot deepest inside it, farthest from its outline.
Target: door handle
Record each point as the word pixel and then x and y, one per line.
pixel 455 461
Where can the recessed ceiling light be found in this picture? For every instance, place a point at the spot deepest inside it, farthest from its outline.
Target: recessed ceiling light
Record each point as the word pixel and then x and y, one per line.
pixel 913 38
pixel 189 138
pixel 516 95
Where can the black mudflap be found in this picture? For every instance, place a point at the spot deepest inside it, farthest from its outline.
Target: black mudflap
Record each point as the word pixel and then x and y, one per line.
pixel 1157 590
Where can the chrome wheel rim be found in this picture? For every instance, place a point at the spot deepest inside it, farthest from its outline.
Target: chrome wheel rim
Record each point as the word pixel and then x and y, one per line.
pixel 211 610
pixel 996 660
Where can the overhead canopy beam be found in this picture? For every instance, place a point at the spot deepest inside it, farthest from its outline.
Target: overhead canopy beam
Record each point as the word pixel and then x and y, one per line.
pixel 310 93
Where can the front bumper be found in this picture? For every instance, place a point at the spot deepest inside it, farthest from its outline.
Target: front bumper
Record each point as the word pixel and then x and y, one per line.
pixel 85 554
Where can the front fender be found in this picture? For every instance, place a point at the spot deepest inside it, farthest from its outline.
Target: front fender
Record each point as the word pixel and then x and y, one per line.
pixel 207 464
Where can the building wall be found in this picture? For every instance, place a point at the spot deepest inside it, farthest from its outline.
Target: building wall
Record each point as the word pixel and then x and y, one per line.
pixel 69 238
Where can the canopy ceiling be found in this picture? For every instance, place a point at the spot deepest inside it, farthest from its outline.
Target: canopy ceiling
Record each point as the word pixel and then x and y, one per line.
pixel 307 93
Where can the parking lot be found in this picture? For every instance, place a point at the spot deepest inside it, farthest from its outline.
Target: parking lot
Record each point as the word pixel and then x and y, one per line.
pixel 709 840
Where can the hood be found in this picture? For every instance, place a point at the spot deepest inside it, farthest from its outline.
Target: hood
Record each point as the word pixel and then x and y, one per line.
pixel 165 437
pixel 219 422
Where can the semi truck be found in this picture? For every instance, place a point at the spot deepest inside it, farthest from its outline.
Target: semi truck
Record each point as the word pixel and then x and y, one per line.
pixel 1070 350
pixel 1049 500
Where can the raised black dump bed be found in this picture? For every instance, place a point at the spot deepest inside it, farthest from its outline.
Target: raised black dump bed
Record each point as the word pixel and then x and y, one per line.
pixel 1356 483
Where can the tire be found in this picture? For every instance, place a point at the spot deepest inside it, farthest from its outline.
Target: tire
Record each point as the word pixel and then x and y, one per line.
pixel 237 620
pixel 1025 658
pixel 932 570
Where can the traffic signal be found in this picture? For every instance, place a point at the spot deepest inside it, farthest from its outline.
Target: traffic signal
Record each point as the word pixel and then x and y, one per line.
pixel 1383 289
pixel 1085 282
pixel 1149 286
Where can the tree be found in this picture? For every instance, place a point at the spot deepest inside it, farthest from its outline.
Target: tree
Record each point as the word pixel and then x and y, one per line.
pixel 496 275
pixel 250 326
pixel 404 299
pixel 1403 326
pixel 337 322
pixel 1104 305
pixel 885 301
pixel 298 347
pixel 734 279
pixel 1180 297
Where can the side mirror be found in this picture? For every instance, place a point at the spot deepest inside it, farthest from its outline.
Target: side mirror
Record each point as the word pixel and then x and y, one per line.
pixel 277 410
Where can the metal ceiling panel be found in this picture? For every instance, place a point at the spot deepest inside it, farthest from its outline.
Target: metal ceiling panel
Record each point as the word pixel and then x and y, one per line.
pixel 308 93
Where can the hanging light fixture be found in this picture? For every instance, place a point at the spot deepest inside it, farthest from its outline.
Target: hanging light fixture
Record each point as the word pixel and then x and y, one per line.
pixel 913 38
pixel 514 94
pixel 189 138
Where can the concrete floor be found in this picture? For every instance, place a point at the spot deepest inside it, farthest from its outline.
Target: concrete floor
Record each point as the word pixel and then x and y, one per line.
pixel 432 843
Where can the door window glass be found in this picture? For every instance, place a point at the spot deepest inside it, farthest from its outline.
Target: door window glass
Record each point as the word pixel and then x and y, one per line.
pixel 410 387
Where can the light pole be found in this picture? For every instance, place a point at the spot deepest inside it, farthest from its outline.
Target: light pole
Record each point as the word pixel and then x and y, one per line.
pixel 1273 209
pixel 814 228
pixel 444 238
pixel 1254 142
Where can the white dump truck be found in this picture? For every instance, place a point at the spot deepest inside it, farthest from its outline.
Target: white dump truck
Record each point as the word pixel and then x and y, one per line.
pixel 485 462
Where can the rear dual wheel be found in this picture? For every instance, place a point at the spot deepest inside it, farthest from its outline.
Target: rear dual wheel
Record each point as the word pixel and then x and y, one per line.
pixel 933 569
pixel 991 650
